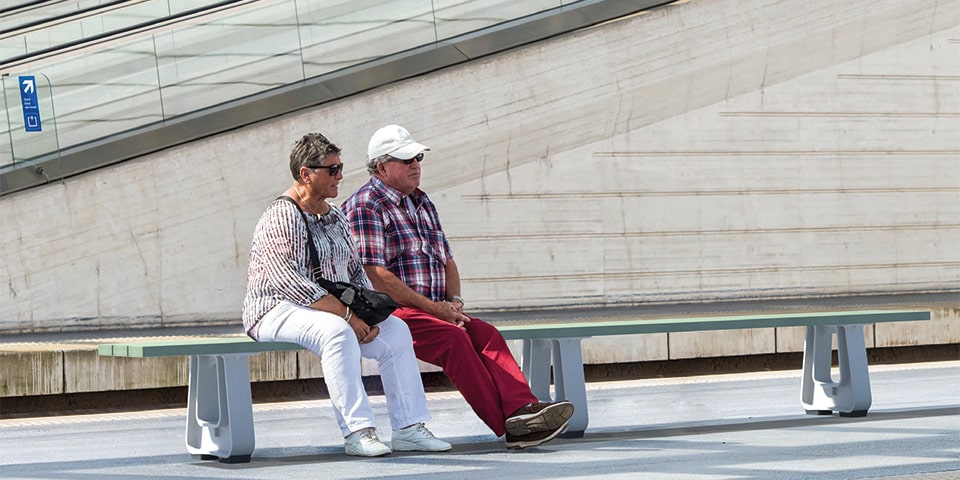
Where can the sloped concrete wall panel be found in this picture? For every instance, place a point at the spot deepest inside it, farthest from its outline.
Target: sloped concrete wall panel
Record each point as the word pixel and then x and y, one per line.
pixel 705 150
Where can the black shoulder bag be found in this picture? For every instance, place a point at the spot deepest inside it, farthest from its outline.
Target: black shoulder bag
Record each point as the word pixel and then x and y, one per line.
pixel 371 306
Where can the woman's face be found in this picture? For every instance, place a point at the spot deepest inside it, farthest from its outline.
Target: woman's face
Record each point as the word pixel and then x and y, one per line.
pixel 318 179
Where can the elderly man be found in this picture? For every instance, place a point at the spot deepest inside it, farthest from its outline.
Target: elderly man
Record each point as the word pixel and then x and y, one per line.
pixel 406 254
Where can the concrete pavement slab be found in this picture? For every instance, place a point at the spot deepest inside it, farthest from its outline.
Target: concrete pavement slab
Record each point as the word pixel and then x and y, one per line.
pixel 708 427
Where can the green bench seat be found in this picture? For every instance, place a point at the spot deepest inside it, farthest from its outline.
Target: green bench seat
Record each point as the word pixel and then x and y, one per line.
pixel 220 410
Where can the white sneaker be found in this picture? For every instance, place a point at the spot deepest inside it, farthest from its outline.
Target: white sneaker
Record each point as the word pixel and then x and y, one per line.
pixel 364 443
pixel 416 438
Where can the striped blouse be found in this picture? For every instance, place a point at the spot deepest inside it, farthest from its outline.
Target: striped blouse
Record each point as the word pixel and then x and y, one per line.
pixel 278 268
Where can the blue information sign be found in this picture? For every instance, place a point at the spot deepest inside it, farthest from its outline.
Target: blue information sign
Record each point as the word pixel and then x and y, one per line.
pixel 28 100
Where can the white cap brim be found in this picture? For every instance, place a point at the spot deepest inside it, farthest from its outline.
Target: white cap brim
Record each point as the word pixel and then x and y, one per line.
pixel 409 151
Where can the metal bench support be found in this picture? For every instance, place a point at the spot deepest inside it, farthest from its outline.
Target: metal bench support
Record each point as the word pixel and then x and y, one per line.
pixel 220 408
pixel 569 382
pixel 849 395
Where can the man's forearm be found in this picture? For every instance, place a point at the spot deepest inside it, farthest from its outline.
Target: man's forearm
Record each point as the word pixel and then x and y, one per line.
pixel 453 280
pixel 385 281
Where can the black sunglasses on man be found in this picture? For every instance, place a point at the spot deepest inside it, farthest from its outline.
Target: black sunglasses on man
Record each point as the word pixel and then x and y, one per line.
pixel 408 161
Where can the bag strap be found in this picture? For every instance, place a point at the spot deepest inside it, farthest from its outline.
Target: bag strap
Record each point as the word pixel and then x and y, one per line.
pixel 311 248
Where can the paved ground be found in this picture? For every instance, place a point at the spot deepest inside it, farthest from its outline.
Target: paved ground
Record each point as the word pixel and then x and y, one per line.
pixel 711 427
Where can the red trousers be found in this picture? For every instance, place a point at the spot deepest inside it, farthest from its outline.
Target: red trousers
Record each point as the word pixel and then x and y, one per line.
pixel 477 361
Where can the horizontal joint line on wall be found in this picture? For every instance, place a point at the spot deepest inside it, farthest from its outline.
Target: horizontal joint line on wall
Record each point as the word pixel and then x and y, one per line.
pixel 691 233
pixel 694 193
pixel 770 153
pixel 707 272
pixel 843 114
pixel 863 76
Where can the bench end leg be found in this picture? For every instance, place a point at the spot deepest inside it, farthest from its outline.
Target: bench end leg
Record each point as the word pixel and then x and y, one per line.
pixel 220 408
pixel 570 383
pixel 819 391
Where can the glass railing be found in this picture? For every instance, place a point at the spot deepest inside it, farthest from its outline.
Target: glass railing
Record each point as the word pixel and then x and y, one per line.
pixel 62 23
pixel 167 72
pixel 18 15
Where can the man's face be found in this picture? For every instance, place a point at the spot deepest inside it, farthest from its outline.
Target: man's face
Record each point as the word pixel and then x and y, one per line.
pixel 404 175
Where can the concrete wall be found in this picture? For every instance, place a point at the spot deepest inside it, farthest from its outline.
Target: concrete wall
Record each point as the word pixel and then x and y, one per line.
pixel 703 151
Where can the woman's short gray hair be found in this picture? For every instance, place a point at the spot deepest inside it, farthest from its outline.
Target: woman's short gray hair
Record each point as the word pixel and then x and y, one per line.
pixel 309 150
pixel 374 162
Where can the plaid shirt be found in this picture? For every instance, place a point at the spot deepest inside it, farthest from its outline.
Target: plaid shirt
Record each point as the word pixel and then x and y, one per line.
pixel 411 245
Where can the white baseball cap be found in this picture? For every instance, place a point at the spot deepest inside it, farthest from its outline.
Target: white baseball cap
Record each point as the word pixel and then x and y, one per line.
pixel 395 141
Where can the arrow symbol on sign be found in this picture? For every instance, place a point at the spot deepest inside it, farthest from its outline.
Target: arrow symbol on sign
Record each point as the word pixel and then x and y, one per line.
pixel 28 86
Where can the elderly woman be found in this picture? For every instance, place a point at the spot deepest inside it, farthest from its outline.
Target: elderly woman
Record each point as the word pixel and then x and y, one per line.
pixel 284 304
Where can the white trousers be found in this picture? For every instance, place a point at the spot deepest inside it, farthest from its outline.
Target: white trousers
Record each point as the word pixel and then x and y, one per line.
pixel 330 337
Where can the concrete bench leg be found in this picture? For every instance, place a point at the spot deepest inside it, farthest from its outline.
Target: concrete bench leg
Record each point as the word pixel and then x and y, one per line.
pixel 568 376
pixel 220 408
pixel 850 394
pixel 535 364
pixel 570 383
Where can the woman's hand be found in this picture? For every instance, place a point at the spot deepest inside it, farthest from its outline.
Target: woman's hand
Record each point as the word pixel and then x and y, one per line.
pixel 330 304
pixel 365 333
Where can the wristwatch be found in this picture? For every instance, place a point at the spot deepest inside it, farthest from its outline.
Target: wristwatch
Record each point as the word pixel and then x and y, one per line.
pixel 457 298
